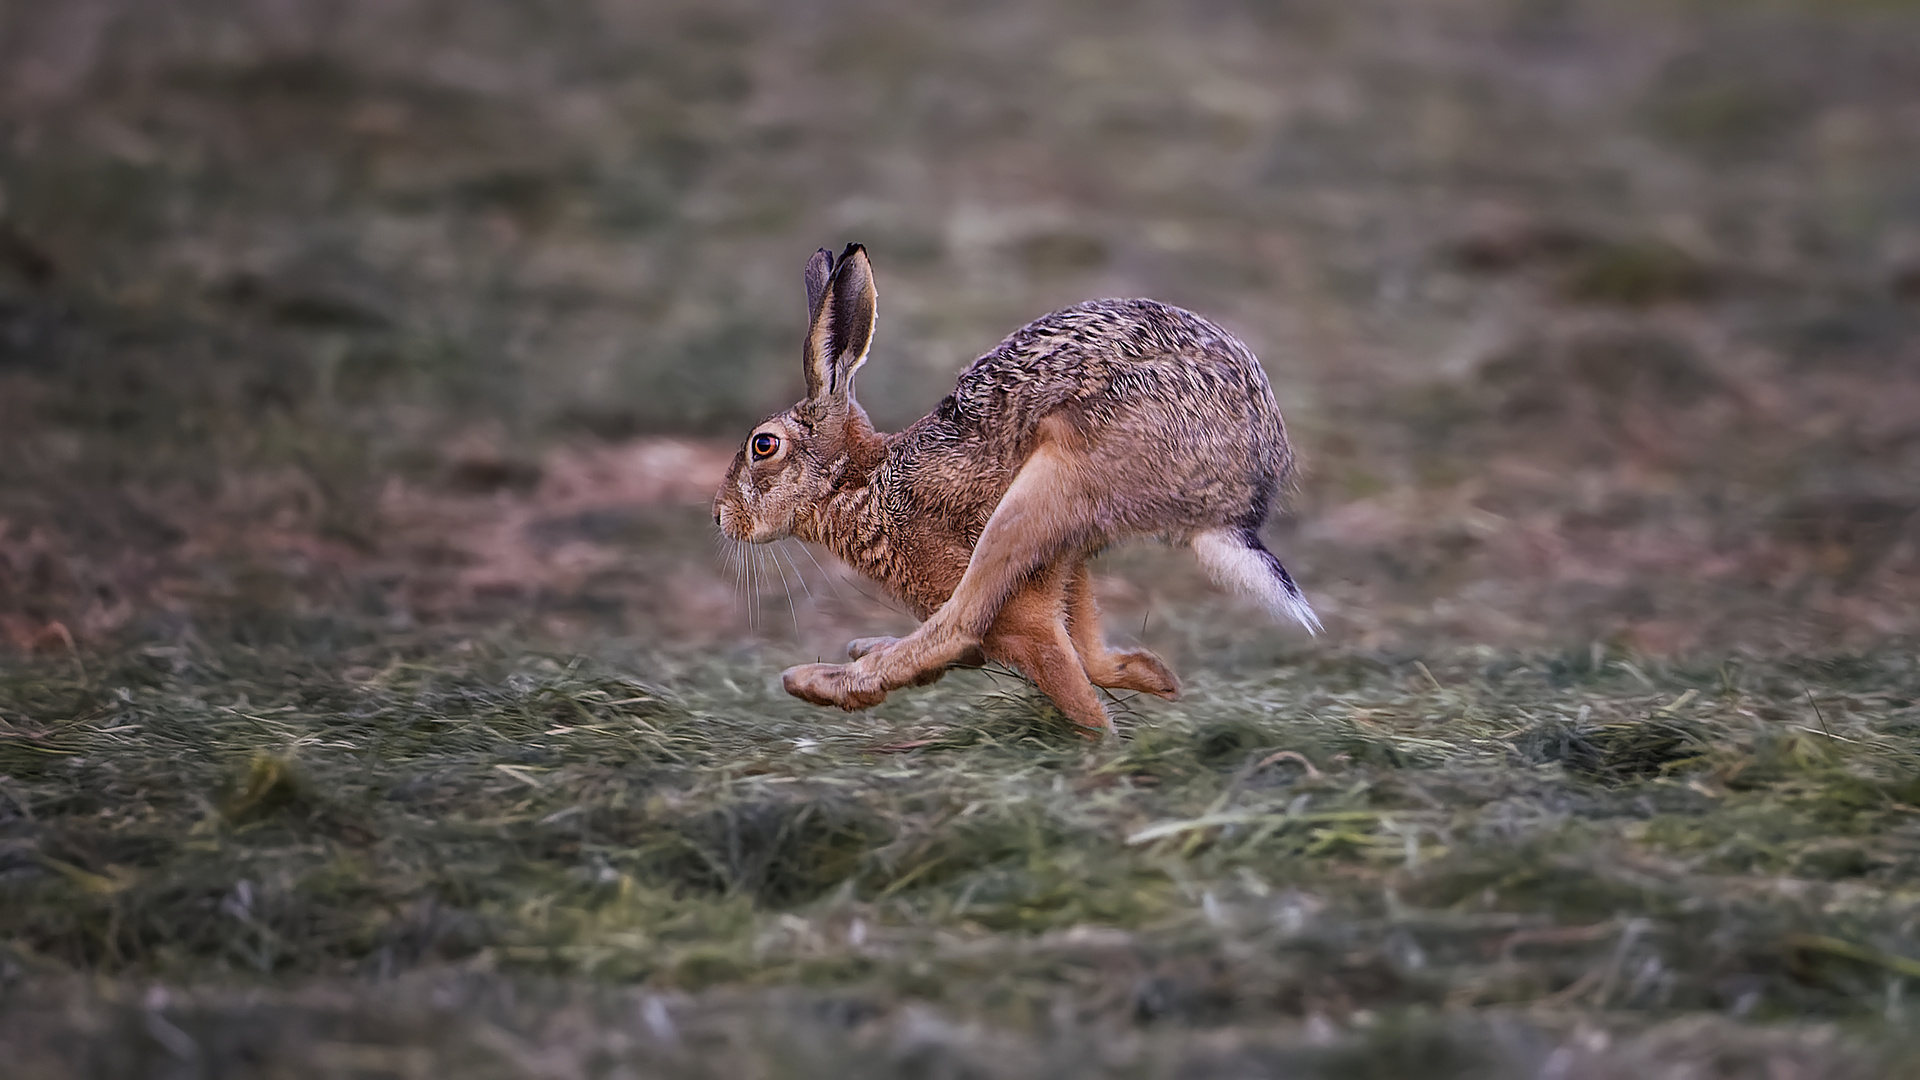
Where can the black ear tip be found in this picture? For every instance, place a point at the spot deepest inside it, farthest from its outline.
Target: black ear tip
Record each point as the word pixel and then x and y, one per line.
pixel 844 265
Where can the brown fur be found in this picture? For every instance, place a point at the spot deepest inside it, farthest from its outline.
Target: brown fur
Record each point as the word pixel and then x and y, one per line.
pixel 1099 423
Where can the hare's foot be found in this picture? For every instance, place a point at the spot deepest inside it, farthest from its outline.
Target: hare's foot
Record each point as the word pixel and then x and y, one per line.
pixel 843 685
pixel 1134 669
pixel 880 664
pixel 861 646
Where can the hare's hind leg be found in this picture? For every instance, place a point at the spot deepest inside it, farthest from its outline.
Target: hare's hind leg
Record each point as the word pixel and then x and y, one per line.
pixel 860 647
pixel 1115 669
pixel 1045 516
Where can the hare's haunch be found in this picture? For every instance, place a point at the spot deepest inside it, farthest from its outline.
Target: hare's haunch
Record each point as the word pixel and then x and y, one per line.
pixel 1097 424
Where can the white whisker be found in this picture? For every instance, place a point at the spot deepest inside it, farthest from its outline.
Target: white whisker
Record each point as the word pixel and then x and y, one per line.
pixel 785 551
pixel 732 553
pixel 831 579
pixel 773 555
pixel 752 592
pixel 759 578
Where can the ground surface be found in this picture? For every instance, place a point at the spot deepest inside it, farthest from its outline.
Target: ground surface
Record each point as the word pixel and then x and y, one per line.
pixel 374 701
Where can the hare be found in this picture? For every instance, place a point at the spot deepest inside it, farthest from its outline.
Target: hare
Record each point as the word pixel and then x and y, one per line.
pixel 1099 423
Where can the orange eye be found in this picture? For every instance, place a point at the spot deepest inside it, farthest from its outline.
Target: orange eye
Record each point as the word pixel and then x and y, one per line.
pixel 765 446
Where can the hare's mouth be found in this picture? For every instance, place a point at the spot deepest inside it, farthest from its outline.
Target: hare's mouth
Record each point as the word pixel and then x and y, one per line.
pixel 741 528
pixel 733 524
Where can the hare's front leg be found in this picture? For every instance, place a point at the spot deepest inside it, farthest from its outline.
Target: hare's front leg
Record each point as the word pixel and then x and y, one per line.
pixel 1044 517
pixel 1031 634
pixel 1131 669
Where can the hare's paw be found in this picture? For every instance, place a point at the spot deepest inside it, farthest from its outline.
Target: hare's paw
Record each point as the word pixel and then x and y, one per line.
pixel 861 646
pixel 1138 669
pixel 842 685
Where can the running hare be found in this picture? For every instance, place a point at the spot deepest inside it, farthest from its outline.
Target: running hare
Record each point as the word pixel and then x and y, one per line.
pixel 1099 423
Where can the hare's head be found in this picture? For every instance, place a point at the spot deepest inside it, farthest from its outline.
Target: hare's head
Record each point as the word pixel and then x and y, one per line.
pixel 794 459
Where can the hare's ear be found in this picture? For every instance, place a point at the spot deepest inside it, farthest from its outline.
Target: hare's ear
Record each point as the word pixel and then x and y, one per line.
pixel 818 269
pixel 842 324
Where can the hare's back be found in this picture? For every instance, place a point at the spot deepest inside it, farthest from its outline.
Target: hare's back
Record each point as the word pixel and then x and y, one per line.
pixel 1135 367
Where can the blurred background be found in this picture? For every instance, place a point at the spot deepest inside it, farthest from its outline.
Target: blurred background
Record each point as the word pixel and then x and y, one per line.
pixel 1593 322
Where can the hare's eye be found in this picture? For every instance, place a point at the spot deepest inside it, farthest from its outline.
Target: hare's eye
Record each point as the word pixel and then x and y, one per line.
pixel 765 446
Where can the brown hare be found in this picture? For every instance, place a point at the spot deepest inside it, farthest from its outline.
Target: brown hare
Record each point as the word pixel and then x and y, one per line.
pixel 1099 423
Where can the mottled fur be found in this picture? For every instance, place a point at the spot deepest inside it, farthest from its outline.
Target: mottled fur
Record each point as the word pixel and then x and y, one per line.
pixel 1102 422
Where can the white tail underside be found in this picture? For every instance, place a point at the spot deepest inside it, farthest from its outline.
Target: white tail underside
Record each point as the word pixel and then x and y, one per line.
pixel 1253 572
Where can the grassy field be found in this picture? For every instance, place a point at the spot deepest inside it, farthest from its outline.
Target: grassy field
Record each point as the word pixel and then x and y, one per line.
pixel 373 701
pixel 370 859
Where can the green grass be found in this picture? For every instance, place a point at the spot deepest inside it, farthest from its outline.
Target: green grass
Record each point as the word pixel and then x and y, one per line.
pixel 1303 862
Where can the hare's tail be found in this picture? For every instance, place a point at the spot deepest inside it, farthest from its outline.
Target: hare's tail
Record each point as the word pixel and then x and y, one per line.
pixel 1237 560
